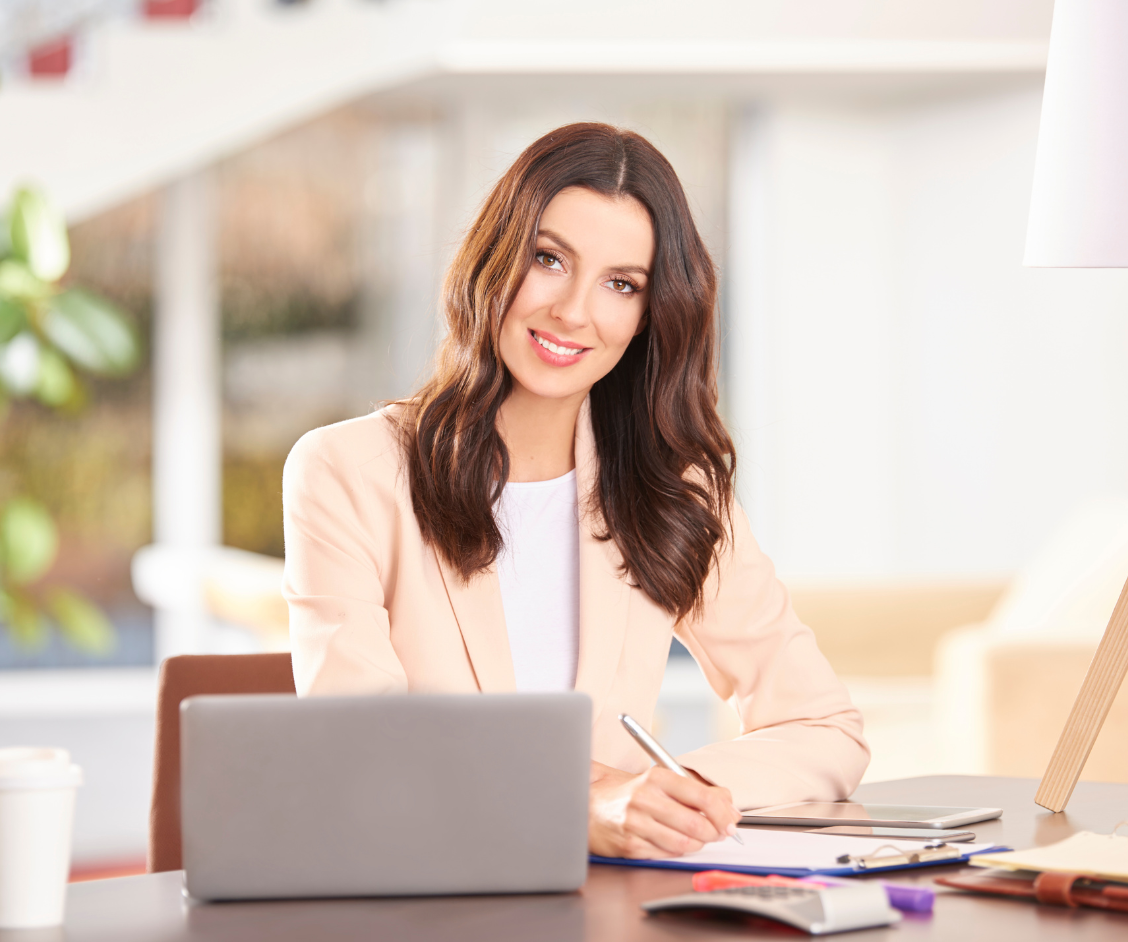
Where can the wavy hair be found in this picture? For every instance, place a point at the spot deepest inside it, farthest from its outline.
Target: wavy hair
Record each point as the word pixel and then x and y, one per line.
pixel 666 463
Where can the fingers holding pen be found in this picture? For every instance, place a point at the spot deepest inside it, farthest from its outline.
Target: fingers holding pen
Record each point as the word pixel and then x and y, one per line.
pixel 666 807
pixel 677 803
pixel 721 809
pixel 637 817
pixel 712 802
pixel 655 814
pixel 715 803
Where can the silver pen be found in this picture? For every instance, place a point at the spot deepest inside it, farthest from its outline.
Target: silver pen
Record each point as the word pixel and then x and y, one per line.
pixel 654 749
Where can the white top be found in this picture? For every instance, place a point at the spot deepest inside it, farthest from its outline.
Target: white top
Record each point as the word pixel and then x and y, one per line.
pixel 539 571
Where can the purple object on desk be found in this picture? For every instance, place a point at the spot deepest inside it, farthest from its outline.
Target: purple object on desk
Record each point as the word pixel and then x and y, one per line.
pixel 908 899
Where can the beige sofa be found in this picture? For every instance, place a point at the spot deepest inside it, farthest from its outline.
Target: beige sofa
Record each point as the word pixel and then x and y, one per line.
pixel 1003 688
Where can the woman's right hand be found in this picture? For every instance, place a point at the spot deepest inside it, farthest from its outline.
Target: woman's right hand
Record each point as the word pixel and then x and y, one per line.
pixel 655 814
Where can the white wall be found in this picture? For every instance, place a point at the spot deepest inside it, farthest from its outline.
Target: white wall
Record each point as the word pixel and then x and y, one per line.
pixel 1014 404
pixel 808 374
pixel 908 398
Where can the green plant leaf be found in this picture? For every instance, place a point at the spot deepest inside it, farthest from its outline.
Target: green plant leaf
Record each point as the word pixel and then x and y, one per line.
pixel 20 282
pixel 5 235
pixel 56 385
pixel 19 363
pixel 28 540
pixel 13 318
pixel 39 234
pixel 23 619
pixel 92 332
pixel 82 622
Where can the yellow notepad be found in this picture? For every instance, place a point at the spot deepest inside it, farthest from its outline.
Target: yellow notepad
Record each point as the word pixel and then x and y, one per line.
pixel 1104 856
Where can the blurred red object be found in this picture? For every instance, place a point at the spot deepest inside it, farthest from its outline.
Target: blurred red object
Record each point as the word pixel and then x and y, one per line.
pixel 51 60
pixel 705 881
pixel 170 9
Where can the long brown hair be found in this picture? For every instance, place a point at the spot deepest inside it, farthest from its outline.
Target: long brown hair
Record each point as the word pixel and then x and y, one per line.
pixel 666 462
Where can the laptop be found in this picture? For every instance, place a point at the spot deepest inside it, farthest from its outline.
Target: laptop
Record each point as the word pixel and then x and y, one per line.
pixel 384 796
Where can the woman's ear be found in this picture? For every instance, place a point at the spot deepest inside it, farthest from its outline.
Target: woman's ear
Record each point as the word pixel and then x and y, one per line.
pixel 642 322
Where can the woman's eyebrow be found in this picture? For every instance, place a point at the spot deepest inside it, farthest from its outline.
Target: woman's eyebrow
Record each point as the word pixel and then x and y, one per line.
pixel 635 269
pixel 566 246
pixel 559 240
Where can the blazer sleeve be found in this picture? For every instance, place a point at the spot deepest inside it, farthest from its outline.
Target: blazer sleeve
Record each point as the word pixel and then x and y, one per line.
pixel 801 737
pixel 340 633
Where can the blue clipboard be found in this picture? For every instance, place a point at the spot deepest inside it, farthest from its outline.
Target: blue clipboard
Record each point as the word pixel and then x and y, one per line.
pixel 847 870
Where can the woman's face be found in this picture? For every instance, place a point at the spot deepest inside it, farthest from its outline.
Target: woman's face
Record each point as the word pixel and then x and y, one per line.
pixel 584 296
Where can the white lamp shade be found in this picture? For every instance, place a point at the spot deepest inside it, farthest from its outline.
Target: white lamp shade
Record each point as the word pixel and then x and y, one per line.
pixel 1079 206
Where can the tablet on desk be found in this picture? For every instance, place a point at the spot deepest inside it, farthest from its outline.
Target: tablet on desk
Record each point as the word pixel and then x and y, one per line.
pixel 898 834
pixel 807 813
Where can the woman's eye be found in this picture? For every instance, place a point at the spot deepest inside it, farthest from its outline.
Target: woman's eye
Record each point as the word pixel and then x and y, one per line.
pixel 621 286
pixel 550 261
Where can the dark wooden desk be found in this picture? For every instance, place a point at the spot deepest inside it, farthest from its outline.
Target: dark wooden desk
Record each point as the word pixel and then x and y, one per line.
pixel 152 908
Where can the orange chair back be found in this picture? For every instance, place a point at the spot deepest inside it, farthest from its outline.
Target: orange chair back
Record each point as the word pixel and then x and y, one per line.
pixel 182 677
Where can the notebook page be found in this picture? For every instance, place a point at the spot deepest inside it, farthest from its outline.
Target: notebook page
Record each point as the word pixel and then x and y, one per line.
pixel 1096 855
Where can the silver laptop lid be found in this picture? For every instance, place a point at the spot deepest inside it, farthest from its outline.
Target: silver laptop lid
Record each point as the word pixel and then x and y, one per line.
pixel 387 795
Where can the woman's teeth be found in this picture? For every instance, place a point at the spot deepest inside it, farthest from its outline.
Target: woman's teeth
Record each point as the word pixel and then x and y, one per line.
pixel 556 348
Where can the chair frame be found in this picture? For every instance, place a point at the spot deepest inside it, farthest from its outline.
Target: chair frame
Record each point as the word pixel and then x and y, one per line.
pixel 186 676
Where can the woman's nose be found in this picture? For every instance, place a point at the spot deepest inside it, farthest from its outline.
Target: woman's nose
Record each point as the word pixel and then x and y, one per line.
pixel 571 309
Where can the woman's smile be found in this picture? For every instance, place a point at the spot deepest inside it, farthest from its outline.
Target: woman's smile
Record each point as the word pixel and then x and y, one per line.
pixel 554 351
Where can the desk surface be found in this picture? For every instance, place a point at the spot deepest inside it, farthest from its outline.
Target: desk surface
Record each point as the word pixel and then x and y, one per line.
pixel 152 909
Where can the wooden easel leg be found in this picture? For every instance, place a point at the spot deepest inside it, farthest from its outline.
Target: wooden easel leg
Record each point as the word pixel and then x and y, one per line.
pixel 1102 682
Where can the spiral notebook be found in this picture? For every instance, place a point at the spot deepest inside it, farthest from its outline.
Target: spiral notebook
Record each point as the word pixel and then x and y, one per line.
pixel 802 854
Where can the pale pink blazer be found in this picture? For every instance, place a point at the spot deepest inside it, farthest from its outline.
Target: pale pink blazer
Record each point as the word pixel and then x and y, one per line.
pixel 373 609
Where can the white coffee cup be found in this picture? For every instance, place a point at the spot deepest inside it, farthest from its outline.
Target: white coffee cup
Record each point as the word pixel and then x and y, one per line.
pixel 37 790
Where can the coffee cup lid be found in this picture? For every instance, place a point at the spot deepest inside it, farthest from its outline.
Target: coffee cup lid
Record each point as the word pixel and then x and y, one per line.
pixel 27 767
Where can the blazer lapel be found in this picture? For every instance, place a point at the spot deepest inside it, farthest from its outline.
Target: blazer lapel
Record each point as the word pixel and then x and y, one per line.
pixel 481 619
pixel 604 593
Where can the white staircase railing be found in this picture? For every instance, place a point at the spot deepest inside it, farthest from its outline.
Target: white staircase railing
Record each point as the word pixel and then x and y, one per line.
pixel 159 98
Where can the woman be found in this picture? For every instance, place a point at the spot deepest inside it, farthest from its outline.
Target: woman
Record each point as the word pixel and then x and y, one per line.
pixel 557 501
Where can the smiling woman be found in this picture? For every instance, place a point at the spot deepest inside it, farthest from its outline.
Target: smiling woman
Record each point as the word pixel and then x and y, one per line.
pixel 556 503
pixel 588 244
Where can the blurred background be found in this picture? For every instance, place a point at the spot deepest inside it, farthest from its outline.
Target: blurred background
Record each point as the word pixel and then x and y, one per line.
pixel 933 440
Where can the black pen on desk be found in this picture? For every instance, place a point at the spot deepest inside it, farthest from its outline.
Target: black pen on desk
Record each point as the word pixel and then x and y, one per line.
pixel 654 749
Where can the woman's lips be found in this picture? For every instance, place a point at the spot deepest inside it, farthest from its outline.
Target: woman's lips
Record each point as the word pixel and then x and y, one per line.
pixel 553 358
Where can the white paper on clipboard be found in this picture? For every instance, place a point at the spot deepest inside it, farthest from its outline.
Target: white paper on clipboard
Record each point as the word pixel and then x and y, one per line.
pixel 775 851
